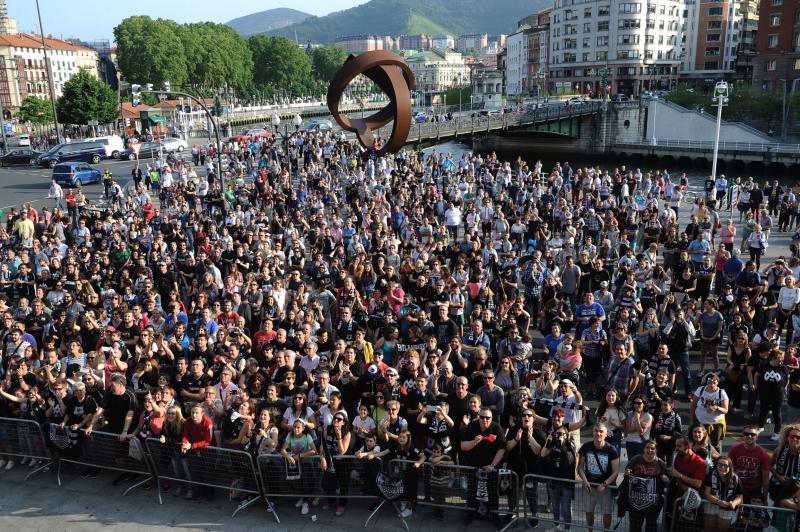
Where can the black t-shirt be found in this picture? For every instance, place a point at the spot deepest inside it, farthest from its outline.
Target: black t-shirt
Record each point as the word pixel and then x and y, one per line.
pixel 275 408
pixel 128 333
pixel 115 408
pixel 794 396
pixel 483 453
pixel 597 462
pixel 772 379
pixel 76 410
pixel 194 384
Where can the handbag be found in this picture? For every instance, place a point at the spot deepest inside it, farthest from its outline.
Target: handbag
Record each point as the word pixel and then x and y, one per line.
pixel 732 375
pixel 135 449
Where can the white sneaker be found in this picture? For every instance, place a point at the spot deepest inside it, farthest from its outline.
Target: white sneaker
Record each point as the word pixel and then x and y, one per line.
pixel 2 463
pixel 405 513
pixel 10 465
pixel 299 503
pixel 304 509
pixel 775 437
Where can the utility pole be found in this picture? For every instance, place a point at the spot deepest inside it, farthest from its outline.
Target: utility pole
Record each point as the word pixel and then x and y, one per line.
pixel 49 73
pixel 783 113
pixel 721 96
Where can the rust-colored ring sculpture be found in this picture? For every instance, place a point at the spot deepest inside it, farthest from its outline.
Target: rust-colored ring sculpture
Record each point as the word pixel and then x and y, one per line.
pixel 389 72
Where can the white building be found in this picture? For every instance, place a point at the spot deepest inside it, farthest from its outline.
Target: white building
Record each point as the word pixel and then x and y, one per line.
pixel 444 42
pixel 487 88
pixel 517 62
pixel 438 70
pixel 631 46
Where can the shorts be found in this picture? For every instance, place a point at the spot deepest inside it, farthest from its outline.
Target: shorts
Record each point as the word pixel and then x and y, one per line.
pixel 722 513
pixel 600 503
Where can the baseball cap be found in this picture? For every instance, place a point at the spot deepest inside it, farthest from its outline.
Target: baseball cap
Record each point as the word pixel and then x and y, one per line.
pixel 392 371
pixel 565 381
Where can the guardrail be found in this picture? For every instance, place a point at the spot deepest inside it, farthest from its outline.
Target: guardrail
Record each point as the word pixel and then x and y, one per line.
pixel 746 517
pixel 23 438
pixel 751 147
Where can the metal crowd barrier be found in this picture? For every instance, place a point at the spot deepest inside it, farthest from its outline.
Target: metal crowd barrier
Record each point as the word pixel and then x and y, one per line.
pixel 350 478
pixel 212 467
pixel 23 438
pixel 104 450
pixel 746 518
pixel 565 503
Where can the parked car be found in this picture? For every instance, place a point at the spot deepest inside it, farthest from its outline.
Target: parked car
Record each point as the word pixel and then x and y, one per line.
pixel 247 133
pixel 419 117
pixel 20 156
pixel 576 100
pixel 73 173
pixel 113 145
pixel 23 140
pixel 87 152
pixel 174 144
pixel 148 150
pixel 318 123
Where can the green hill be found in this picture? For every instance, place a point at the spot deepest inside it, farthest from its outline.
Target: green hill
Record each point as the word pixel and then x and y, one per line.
pixel 432 17
pixel 266 20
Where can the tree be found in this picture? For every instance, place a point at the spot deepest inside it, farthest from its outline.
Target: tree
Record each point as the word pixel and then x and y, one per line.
pixel 686 96
pixel 35 110
pixel 456 94
pixel 279 61
pixel 216 56
pixel 326 61
pixel 86 98
pixel 150 51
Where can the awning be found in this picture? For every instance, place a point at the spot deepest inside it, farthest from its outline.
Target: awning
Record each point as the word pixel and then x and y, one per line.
pixel 157 119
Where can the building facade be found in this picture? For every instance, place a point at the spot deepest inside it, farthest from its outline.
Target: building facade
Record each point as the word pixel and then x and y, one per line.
pixel 414 42
pixel 438 70
pixel 487 88
pixel 24 69
pixel 712 31
pixel 443 42
pixel 778 46
pixel 746 49
pixel 472 41
pixel 628 46
pixel 365 43
pixel 517 62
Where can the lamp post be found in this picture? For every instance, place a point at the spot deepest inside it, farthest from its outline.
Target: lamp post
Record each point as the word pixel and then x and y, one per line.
pixel 721 98
pixel 783 113
pixel 49 68
pixel 540 75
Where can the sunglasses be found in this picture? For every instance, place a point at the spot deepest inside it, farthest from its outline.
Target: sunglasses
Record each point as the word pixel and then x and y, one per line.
pixel 485 417
pixel 638 403
pixel 527 415
pixel 748 434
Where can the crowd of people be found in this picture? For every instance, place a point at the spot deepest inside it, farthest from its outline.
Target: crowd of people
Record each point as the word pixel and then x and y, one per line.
pixel 322 301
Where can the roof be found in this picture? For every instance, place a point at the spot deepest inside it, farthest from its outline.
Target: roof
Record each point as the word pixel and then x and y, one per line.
pixel 26 40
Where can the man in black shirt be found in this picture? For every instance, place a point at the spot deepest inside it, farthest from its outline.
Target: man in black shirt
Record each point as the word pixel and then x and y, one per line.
pixel 445 327
pixel 118 408
pixel 598 467
pixel 193 385
pixel 483 447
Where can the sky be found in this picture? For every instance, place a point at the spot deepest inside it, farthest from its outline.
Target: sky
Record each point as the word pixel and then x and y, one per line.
pixel 95 19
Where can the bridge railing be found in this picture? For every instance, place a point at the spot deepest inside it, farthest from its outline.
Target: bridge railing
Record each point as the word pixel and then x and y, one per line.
pixel 751 147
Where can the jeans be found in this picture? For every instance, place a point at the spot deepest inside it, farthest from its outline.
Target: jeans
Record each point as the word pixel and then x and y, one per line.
pixel 649 520
pixel 682 361
pixel 561 495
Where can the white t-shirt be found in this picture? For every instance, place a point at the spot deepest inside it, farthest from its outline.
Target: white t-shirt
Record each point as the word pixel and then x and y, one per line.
pixel 706 400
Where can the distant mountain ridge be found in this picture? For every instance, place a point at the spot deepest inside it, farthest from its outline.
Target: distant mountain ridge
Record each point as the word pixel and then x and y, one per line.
pixel 264 21
pixel 397 17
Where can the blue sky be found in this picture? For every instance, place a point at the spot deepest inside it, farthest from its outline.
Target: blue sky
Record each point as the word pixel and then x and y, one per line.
pixel 95 19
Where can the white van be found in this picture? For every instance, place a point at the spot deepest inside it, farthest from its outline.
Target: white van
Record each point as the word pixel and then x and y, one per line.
pixel 113 144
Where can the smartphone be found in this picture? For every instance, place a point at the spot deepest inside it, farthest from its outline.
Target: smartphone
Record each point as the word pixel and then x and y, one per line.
pixel 431 408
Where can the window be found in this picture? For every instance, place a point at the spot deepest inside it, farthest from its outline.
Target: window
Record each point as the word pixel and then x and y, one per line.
pixel 603 56
pixel 712 37
pixel 602 26
pixel 710 65
pixel 630 8
pixel 648 54
pixel 587 42
pixel 587 57
pixel 714 24
pixel 651 24
pixel 651 8
pixel 587 27
pixel 648 39
pixel 797 64
pixel 770 65
pixel 772 41
pixel 628 54
pixel 603 11
pixel 712 50
pixel 714 11
pixel 775 20
pixel 627 39
pixel 602 40
pixel 777 2
pixel 570 58
pixel 629 23
pixel 587 12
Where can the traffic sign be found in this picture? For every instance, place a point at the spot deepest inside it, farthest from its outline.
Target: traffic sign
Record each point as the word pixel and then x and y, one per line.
pixel 135 147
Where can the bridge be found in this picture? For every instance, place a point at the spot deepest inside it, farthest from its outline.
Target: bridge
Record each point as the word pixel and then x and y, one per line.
pixel 560 119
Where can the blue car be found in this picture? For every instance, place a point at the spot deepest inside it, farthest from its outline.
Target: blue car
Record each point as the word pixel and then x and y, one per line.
pixel 74 173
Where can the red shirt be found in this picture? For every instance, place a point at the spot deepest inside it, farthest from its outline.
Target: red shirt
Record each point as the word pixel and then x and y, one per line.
pixel 693 467
pixel 198 434
pixel 750 465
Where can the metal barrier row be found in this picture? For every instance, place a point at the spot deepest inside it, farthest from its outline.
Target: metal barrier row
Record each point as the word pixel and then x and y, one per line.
pixel 23 438
pixel 209 467
pixel 102 450
pixel 566 503
pixel 745 518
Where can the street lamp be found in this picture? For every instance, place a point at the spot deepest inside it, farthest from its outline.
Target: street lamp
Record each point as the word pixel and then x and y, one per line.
pixel 297 121
pixel 721 99
pixel 276 121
